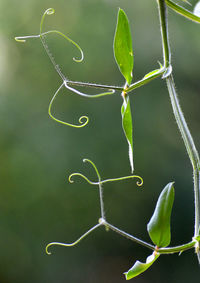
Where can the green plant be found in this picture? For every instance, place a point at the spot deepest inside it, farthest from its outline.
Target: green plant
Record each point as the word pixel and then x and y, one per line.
pixel 159 224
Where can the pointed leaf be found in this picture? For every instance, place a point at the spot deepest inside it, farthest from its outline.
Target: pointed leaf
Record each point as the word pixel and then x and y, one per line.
pixel 127 127
pixel 140 267
pixel 159 224
pixel 197 9
pixel 123 46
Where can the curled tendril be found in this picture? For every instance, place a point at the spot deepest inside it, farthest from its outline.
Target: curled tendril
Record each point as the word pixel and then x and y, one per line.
pixel 83 176
pixel 42 35
pixel 51 11
pixel 139 183
pixel 94 166
pixel 74 243
pixel 111 91
pixel 82 123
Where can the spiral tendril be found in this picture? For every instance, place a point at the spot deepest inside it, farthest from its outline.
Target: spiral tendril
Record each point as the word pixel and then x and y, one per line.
pixel 82 123
pixel 82 176
pixel 139 183
pixel 74 243
pixel 51 11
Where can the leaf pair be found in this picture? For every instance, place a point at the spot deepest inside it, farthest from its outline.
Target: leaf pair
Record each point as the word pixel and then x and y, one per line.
pixel 158 229
pixel 124 57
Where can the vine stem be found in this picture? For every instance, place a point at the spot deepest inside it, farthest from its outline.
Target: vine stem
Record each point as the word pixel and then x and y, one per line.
pixel 169 250
pixel 181 122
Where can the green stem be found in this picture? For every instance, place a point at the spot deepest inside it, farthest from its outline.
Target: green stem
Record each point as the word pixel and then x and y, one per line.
pixel 185 132
pixel 177 249
pixel 196 176
pixel 190 147
pixel 146 80
pixel 169 250
pixel 127 235
pixel 182 125
pixel 182 11
pixel 164 32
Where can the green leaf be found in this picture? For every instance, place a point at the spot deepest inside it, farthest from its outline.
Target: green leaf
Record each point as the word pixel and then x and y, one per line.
pixel 159 224
pixel 196 11
pixel 140 267
pixel 123 46
pixel 127 127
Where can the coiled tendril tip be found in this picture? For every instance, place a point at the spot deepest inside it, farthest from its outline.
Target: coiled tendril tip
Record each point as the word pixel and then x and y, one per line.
pixel 84 123
pixel 18 39
pixel 46 249
pixel 70 179
pixel 49 11
pixel 141 182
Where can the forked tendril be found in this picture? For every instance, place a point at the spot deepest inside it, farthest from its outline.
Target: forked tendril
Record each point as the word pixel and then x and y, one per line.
pixel 82 124
pixel 42 35
pixel 74 243
pixel 139 183
pixel 51 11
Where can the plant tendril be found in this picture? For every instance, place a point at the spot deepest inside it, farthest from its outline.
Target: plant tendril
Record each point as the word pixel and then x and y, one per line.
pixel 112 91
pixel 74 243
pixel 82 123
pixel 139 183
pixel 51 11
pixel 94 166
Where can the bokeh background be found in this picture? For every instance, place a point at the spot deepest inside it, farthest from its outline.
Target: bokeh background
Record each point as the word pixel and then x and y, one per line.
pixel 37 203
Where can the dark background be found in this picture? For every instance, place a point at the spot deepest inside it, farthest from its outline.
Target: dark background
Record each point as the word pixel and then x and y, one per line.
pixel 37 204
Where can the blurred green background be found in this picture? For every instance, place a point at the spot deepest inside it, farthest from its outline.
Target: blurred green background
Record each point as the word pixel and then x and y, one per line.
pixel 37 204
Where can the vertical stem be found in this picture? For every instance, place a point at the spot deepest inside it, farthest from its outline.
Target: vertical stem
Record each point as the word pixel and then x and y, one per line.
pixel 182 125
pixel 101 201
pixel 162 9
pixel 185 132
pixel 197 199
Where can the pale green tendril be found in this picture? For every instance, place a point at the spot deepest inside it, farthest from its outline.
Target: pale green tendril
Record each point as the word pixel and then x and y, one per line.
pixel 82 123
pixel 100 189
pixel 42 35
pixel 74 243
pixel 94 166
pixel 51 11
pixel 112 91
pixel 139 183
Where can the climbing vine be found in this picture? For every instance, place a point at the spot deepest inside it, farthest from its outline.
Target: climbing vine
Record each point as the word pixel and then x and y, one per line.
pixel 159 225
